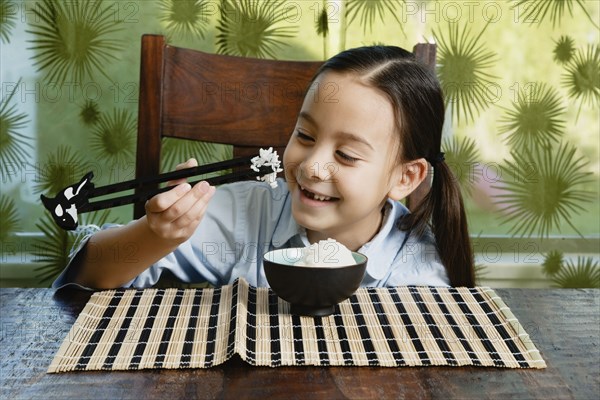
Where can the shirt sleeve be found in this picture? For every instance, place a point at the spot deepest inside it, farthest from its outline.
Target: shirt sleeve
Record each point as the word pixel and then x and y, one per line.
pixel 67 276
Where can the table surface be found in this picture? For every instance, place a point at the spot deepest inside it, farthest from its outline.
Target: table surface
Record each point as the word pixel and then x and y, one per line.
pixel 563 323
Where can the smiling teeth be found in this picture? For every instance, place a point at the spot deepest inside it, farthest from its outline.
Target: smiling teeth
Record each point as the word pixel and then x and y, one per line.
pixel 316 196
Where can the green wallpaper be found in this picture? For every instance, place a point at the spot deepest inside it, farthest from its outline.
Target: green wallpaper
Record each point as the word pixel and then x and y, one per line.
pixel 521 79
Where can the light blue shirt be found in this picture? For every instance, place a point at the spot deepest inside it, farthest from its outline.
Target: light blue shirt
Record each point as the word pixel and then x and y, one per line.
pixel 244 220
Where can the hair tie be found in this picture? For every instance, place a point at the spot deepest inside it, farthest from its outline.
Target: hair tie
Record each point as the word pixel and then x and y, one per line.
pixel 436 159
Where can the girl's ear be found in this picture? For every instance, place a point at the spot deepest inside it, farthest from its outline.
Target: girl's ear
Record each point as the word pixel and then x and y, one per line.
pixel 407 177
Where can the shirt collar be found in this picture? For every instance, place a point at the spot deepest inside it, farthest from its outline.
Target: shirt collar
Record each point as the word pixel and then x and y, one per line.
pixel 286 227
pixel 384 247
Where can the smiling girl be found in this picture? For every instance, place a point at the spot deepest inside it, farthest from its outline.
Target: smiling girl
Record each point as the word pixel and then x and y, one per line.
pixel 352 156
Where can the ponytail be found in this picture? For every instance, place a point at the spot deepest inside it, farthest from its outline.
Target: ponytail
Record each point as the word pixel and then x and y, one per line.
pixel 444 207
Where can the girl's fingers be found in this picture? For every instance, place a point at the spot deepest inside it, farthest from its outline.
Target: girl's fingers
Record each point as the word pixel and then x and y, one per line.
pixel 163 201
pixel 192 162
pixel 195 213
pixel 182 205
pixel 175 214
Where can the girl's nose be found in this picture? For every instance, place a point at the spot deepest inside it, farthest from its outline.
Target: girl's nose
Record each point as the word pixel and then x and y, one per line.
pixel 317 167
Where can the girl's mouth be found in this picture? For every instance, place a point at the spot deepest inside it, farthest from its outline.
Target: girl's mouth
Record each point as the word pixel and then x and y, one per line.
pixel 308 195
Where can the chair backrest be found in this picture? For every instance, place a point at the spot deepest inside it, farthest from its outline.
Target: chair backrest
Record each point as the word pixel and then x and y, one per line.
pixel 244 102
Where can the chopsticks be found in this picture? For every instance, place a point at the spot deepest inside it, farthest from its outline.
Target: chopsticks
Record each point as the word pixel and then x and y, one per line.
pixel 75 199
pixel 169 176
pixel 180 174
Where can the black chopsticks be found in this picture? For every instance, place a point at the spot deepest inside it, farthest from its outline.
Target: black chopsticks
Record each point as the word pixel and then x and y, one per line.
pixel 173 175
pixel 180 174
pixel 75 199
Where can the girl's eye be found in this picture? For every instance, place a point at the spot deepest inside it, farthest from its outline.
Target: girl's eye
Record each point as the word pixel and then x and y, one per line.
pixel 346 157
pixel 304 137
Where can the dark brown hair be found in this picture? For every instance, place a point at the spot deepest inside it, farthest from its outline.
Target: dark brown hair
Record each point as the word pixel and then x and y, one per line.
pixel 418 103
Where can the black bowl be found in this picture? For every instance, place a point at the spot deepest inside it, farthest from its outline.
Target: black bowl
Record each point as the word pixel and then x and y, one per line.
pixel 312 291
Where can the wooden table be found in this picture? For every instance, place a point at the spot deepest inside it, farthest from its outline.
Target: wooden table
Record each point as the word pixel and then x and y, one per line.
pixel 564 325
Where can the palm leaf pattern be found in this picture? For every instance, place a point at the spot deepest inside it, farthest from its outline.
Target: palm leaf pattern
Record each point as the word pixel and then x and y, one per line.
pixel 462 158
pixel 585 273
pixel 8 17
pixel 536 117
pixel 61 169
pixel 13 145
pixel 322 23
pixel 564 49
pixel 184 18
pixel 582 76
pixel 252 29
pixel 368 10
pixel 463 63
pixel 113 139
pixel 480 271
pixel 542 189
pixel 10 219
pixel 90 113
pixel 536 11
pixel 322 27
pixel 552 262
pixel 72 39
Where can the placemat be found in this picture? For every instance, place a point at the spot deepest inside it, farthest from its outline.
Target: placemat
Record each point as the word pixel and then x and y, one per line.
pixel 130 329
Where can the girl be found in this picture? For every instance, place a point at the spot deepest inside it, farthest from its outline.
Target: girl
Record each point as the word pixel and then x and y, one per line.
pixel 352 156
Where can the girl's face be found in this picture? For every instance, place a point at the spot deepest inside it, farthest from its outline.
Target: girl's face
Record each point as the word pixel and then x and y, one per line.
pixel 340 161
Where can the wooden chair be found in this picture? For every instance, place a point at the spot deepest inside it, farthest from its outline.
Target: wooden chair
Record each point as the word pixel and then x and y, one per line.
pixel 245 102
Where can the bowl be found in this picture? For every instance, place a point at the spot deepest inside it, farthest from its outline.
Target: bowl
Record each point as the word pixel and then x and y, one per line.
pixel 312 291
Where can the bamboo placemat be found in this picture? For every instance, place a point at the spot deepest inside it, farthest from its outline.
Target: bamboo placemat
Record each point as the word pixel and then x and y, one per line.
pixel 388 327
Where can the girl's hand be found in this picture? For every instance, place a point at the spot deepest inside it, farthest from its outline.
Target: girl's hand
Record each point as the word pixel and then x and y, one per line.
pixel 175 215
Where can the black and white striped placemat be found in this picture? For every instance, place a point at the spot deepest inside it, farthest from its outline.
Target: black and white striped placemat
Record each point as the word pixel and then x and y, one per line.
pixel 200 328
